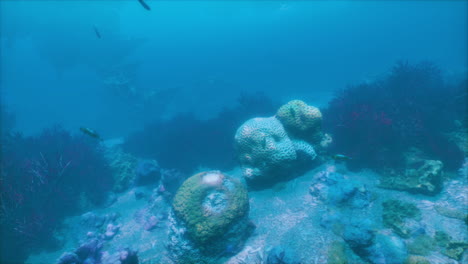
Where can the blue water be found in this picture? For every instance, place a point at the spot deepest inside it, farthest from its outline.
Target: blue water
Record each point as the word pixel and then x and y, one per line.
pixel 52 61
pixel 121 125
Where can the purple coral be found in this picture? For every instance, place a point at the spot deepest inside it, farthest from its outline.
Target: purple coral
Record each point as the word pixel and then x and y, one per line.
pixel 42 178
pixel 375 122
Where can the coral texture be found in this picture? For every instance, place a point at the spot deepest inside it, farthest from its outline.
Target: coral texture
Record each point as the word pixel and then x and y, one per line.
pixel 301 120
pixel 209 219
pixel 264 147
pixel 208 203
pixel 425 177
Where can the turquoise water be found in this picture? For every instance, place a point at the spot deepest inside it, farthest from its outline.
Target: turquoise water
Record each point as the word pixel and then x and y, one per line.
pixel 109 107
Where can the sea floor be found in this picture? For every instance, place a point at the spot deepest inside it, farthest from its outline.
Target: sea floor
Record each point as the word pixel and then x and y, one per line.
pixel 285 216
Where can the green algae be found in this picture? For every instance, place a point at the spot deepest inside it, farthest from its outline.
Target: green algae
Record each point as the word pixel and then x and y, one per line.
pixel 395 213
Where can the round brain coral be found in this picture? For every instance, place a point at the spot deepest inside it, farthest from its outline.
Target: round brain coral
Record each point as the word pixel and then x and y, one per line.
pixel 301 120
pixel 263 147
pixel 209 203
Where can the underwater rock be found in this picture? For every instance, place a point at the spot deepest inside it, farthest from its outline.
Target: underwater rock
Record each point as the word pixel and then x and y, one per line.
pixel 450 248
pixel 338 190
pixel 387 249
pixel 417 260
pixel 92 220
pixel 89 249
pixel 421 245
pixel 395 214
pixel 123 167
pixel 68 258
pixel 128 256
pixel 360 235
pixel 424 177
pixel 124 256
pixel 301 121
pixel 140 195
pixel 336 253
pixel 171 179
pixel 151 223
pixel 459 138
pixel 280 255
pixel 210 215
pixel 267 154
pixel 111 231
pixel 374 248
pixel 455 250
pixel 147 172
pixel 91 252
pixel 450 212
pixel 87 253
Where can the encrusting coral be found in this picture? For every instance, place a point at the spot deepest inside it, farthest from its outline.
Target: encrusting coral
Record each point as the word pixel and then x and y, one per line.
pixel 395 213
pixel 123 166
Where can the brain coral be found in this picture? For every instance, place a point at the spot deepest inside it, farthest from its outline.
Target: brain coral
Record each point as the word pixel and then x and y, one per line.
pixel 301 120
pixel 209 203
pixel 263 146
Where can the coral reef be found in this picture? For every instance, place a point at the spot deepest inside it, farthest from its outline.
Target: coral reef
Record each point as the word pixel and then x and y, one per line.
pixel 375 122
pixel 271 149
pixel 43 178
pixel 264 149
pixel 210 216
pixel 301 121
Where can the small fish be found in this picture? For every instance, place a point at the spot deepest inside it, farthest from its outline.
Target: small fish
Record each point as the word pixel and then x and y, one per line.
pixel 341 157
pixel 145 5
pixel 97 32
pixel 90 133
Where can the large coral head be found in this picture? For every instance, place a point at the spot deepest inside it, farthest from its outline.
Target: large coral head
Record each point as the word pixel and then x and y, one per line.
pixel 300 119
pixel 208 203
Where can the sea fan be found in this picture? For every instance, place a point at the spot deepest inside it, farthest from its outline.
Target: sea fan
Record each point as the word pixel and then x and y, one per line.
pixel 42 179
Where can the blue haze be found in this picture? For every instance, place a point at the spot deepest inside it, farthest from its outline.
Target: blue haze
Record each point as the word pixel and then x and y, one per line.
pixel 206 53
